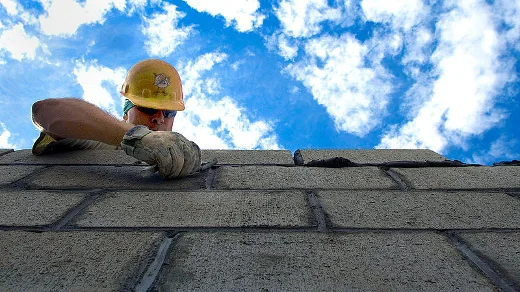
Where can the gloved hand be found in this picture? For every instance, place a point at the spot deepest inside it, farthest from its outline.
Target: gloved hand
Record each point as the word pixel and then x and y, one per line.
pixel 174 155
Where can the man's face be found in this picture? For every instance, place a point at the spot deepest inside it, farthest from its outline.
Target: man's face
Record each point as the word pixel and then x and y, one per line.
pixel 155 122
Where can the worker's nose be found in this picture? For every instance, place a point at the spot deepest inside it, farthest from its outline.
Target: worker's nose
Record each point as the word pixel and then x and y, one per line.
pixel 158 118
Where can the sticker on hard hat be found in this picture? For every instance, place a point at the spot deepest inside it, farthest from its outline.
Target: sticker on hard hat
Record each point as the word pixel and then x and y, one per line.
pixel 161 80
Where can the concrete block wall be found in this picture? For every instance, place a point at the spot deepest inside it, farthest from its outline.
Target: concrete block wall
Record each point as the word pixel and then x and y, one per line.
pixel 256 221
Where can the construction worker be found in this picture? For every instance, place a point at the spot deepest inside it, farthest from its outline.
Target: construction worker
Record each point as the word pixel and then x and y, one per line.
pixel 153 93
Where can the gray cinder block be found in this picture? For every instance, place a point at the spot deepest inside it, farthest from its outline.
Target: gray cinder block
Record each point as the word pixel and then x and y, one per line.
pixel 299 177
pixel 199 209
pixel 318 262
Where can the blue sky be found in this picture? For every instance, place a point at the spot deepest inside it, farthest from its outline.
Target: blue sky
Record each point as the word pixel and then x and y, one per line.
pixel 282 74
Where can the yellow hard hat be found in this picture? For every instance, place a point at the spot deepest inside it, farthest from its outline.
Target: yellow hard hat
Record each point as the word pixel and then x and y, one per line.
pixel 155 84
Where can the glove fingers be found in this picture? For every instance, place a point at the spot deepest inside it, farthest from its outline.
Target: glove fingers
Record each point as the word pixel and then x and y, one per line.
pixel 174 155
pixel 194 157
pixel 176 162
pixel 191 154
pixel 143 154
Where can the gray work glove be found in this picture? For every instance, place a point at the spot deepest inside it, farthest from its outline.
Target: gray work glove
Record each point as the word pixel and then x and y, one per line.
pixel 174 155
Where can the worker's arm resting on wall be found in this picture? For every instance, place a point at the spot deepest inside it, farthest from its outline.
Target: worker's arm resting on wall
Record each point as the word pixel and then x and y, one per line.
pixel 78 119
pixel 172 153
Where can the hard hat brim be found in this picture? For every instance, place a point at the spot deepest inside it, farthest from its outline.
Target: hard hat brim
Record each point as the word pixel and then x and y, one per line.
pixel 177 105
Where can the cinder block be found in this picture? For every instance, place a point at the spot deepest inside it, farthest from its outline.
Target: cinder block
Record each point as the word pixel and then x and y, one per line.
pixel 123 177
pixel 26 207
pixel 415 210
pixel 503 248
pixel 318 262
pixel 299 177
pixel 483 177
pixel 74 261
pixel 373 155
pixel 102 157
pixel 199 209
pixel 5 151
pixel 12 173
pixel 248 156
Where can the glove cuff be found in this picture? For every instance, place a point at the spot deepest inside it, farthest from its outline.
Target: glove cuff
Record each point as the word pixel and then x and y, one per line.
pixel 136 133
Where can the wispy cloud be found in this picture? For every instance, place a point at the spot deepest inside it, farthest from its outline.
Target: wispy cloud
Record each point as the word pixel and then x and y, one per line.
pixel 508 12
pixel 465 82
pixel 400 14
pixel 283 45
pixel 192 81
pixel 302 18
pixel 100 85
pixel 5 137
pixel 11 6
pixel 340 75
pixel 18 43
pixel 502 147
pixel 243 14
pixel 213 121
pixel 64 17
pixel 161 31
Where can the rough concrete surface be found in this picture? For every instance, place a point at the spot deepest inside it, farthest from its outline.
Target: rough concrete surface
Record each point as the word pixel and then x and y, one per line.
pixel 420 209
pixel 373 156
pixel 318 262
pixel 73 261
pixel 248 156
pixel 102 157
pixel 484 177
pixel 12 173
pixel 503 248
pixel 123 177
pixel 199 209
pixel 278 177
pixel 90 220
pixel 26 207
pixel 5 151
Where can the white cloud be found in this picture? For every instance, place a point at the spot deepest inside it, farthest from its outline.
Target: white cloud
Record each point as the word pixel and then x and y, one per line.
pixel 64 17
pixel 353 89
pixel 501 149
pixel 408 20
pixel 241 13
pixel 222 124
pixel 5 135
pixel 20 45
pixel 417 43
pixel 94 78
pixel 403 14
pixel 214 122
pixel 466 80
pixel 10 6
pixel 192 83
pixel 237 64
pixel 302 18
pixel 162 33
pixel 139 5
pixel 508 11
pixel 16 12
pixel 286 49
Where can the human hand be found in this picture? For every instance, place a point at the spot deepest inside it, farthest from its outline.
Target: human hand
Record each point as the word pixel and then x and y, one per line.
pixel 174 155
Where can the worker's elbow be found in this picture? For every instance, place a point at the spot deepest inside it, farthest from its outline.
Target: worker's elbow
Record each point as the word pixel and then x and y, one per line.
pixel 40 112
pixel 36 107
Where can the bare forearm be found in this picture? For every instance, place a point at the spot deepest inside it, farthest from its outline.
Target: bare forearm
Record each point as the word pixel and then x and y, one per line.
pixel 78 119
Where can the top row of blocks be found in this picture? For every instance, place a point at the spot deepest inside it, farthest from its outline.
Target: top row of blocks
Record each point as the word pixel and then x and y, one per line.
pixel 224 157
